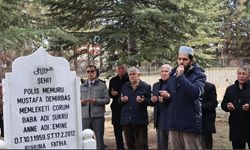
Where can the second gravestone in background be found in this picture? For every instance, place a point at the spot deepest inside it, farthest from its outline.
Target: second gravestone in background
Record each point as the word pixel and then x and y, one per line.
pixel 42 104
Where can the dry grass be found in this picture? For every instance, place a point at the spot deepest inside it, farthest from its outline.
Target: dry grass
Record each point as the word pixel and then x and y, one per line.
pixel 221 139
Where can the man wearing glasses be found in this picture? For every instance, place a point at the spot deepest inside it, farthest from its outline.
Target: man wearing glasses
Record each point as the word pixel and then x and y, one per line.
pixel 94 97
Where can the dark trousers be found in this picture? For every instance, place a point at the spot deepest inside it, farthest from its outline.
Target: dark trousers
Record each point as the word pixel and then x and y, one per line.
pixel 240 144
pixel 97 125
pixel 207 141
pixel 136 136
pixel 162 139
pixel 118 136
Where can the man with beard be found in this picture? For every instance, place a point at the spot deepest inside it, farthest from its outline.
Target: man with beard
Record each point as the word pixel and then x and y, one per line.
pixel 185 85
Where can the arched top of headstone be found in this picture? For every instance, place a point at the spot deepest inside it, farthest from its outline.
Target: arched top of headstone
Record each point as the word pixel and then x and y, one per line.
pixel 39 57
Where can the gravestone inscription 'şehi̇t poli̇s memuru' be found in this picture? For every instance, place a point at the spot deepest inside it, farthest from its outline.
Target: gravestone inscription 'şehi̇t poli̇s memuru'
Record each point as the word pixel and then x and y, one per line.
pixel 41 103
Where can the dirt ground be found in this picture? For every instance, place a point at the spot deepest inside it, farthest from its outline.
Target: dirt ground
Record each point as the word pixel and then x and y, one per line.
pixel 220 138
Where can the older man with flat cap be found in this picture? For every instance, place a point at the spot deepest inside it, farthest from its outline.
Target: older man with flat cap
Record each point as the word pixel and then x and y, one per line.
pixel 185 85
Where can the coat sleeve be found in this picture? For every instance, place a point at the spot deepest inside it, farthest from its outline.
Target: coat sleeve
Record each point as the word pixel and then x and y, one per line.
pixel 111 84
pixel 120 102
pixel 195 88
pixel 225 100
pixel 148 95
pixel 105 98
pixel 154 93
pixel 211 99
pixel 82 94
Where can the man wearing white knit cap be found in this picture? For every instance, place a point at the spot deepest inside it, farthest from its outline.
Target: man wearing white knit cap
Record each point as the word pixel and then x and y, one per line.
pixel 185 85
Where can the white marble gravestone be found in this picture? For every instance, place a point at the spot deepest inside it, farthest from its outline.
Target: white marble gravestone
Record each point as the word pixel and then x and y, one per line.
pixel 42 104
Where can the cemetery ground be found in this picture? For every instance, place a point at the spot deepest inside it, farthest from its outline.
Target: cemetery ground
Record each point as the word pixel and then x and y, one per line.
pixel 220 138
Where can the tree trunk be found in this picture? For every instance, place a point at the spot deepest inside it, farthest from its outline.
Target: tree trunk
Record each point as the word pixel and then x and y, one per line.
pixel 132 45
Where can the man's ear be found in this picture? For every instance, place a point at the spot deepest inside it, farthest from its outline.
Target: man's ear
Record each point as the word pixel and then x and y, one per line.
pixel 193 61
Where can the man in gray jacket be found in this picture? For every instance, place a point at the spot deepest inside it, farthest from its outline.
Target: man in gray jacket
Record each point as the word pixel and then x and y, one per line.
pixel 94 97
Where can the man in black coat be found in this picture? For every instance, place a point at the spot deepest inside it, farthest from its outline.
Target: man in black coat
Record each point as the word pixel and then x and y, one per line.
pixel 209 103
pixel 236 101
pixel 115 86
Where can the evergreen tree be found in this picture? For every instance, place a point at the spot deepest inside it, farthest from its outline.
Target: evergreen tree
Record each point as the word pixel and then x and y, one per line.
pixel 129 31
pixel 207 18
pixel 20 31
pixel 236 29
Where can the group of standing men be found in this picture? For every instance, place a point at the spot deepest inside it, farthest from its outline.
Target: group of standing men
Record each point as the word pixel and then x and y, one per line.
pixel 184 106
